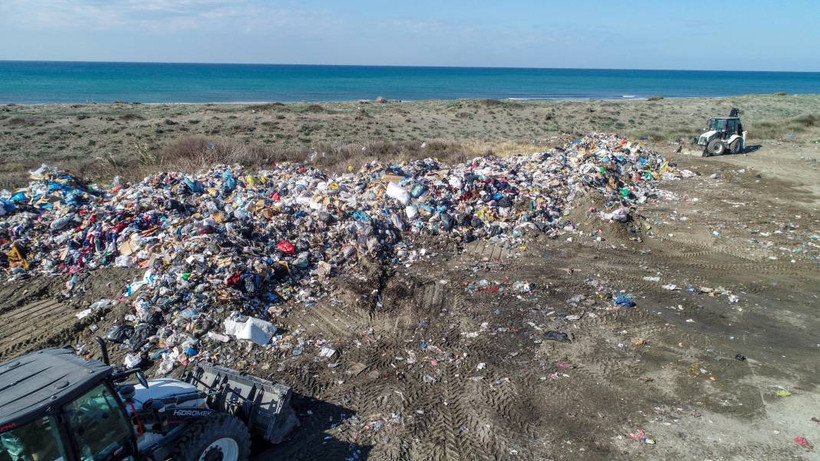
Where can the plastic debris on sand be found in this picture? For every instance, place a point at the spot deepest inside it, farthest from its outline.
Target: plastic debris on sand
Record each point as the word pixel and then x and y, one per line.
pixel 246 241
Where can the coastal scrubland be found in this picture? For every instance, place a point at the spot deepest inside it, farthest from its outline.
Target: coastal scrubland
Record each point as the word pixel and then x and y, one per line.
pixel 131 139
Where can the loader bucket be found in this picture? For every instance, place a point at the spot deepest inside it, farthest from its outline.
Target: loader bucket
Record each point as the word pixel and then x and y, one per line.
pixel 263 405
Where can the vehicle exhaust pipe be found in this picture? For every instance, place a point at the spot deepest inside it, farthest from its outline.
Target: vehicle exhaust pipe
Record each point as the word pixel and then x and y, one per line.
pixel 103 350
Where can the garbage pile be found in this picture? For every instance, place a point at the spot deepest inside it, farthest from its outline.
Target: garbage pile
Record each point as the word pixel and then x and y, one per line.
pixel 249 240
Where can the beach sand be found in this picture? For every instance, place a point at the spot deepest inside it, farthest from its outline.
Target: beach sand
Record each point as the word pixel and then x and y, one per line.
pixel 748 223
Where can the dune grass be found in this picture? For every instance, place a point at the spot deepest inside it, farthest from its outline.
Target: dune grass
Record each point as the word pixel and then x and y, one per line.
pixel 131 140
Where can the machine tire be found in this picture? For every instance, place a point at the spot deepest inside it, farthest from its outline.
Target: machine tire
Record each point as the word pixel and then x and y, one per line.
pixel 715 147
pixel 208 435
pixel 734 146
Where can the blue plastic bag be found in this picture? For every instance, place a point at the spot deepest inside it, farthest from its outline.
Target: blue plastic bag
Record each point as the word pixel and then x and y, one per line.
pixel 625 300
pixel 361 216
pixel 228 181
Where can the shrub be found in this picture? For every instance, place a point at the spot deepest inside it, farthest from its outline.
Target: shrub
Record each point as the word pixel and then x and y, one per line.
pixel 808 120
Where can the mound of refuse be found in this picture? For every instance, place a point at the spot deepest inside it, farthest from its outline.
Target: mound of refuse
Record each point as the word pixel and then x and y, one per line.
pixel 250 240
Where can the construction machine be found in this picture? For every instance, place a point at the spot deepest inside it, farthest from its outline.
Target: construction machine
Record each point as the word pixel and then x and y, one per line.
pixel 723 135
pixel 57 405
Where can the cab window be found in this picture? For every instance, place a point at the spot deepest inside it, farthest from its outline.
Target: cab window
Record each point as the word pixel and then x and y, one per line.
pixel 98 426
pixel 718 124
pixel 35 441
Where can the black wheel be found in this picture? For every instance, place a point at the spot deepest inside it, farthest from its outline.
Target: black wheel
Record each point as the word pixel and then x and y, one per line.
pixel 715 147
pixel 217 438
pixel 734 146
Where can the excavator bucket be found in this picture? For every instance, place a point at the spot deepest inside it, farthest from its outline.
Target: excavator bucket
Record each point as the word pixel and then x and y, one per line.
pixel 263 405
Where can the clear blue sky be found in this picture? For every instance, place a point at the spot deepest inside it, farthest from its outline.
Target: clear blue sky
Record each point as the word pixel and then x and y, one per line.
pixel 717 34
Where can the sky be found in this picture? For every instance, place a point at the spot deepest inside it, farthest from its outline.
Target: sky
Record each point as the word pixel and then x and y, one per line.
pixel 640 34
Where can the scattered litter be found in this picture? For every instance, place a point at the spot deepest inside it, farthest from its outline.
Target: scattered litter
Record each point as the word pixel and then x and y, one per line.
pixel 624 300
pixel 256 330
pixel 119 333
pixel 640 436
pixel 326 352
pixel 218 337
pixel 522 287
pixel 140 336
pixel 132 360
pixel 803 442
pixel 557 336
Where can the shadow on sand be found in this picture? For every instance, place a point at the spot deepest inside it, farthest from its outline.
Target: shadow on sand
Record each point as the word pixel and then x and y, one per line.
pixel 309 441
pixel 750 149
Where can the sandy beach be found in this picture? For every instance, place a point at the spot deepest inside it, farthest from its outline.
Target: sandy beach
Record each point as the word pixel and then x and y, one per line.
pixel 663 381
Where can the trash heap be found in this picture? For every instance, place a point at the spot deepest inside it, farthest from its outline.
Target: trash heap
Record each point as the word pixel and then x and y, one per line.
pixel 249 240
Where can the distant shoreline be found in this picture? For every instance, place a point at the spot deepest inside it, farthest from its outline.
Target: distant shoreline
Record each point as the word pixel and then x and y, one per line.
pixel 404 101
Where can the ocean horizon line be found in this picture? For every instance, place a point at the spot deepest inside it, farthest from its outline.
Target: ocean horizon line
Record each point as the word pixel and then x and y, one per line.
pixel 404 66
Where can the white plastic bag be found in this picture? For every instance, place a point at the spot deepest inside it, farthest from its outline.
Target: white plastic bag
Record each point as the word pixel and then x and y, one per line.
pixel 256 330
pixel 411 212
pixel 397 192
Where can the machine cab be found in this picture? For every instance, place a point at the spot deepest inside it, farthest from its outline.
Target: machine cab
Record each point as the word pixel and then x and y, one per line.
pixel 728 126
pixel 71 413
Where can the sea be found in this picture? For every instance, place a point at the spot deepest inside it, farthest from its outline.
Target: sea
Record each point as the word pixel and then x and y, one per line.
pixel 35 82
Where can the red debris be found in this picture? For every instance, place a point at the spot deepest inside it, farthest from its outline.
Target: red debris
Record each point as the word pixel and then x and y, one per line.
pixel 233 279
pixel 803 442
pixel 286 247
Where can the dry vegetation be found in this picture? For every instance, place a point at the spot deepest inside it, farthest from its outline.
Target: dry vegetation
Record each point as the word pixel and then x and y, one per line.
pixel 131 140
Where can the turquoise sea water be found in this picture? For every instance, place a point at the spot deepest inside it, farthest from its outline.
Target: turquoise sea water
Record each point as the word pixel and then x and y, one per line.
pixel 24 82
